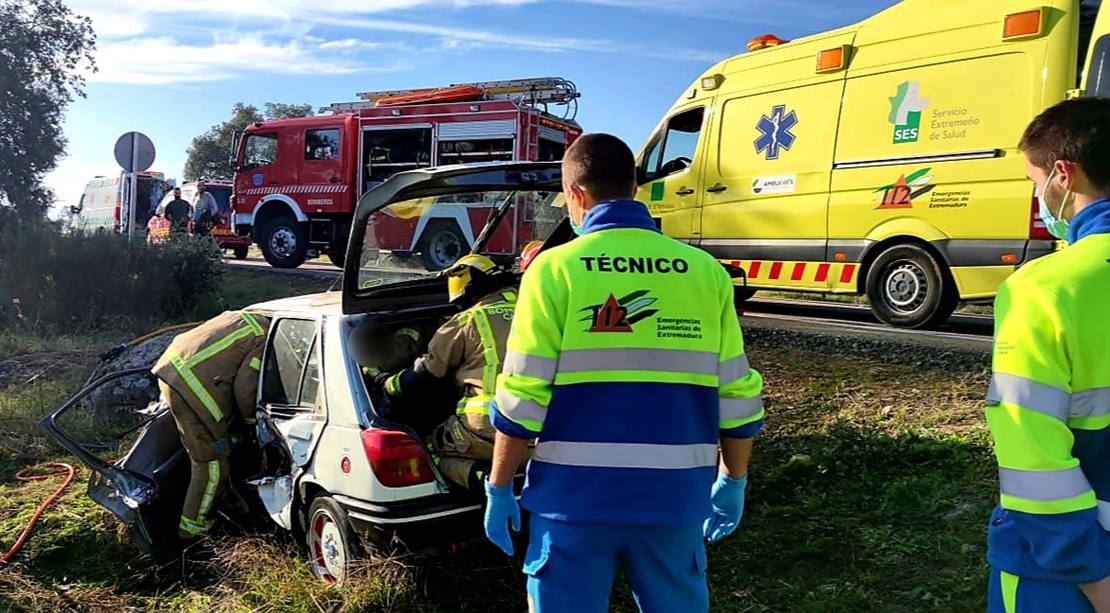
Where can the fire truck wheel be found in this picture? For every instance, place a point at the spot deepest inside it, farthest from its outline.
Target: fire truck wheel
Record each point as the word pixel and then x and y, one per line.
pixel 441 245
pixel 284 242
pixel 241 253
pixel 908 288
pixel 337 258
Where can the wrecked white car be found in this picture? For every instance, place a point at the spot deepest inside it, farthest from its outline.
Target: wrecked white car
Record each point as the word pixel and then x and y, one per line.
pixel 328 463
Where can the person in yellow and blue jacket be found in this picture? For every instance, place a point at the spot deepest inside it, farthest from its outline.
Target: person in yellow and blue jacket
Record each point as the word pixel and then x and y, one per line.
pixel 625 361
pixel 1048 406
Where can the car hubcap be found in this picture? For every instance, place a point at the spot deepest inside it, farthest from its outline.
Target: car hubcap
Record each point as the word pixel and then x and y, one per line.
pixel 906 287
pixel 283 242
pixel 326 547
pixel 445 249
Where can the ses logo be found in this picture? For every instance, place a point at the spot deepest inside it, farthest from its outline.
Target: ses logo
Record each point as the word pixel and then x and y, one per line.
pixel 619 315
pixel 906 107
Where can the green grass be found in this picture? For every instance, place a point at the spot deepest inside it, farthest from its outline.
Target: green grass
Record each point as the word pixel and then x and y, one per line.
pixel 871 488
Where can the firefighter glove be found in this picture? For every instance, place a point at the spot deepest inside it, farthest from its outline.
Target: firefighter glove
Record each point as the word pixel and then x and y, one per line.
pixel 728 507
pixel 501 507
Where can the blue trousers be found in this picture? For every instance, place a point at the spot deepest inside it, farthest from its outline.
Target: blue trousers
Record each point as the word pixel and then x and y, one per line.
pixel 571 567
pixel 1011 594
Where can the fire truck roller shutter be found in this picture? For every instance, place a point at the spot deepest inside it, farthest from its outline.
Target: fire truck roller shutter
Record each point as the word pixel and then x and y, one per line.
pixel 478 130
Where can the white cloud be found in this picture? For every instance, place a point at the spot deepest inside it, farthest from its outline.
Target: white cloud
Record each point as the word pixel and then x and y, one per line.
pixel 184 41
pixel 167 60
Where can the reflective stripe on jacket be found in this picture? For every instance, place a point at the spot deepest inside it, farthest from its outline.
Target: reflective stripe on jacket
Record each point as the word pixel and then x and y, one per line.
pixel 627 362
pixel 1048 408
pixel 471 347
pixel 215 366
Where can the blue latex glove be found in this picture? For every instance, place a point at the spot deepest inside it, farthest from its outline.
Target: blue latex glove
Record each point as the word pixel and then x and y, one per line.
pixel 501 506
pixel 728 507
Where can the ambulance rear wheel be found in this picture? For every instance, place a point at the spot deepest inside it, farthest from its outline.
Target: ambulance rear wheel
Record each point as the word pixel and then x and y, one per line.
pixel 284 242
pixel 742 294
pixel 908 288
pixel 333 546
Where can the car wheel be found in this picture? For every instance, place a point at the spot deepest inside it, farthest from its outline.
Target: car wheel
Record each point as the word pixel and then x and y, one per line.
pixel 332 544
pixel 241 252
pixel 441 245
pixel 284 242
pixel 908 288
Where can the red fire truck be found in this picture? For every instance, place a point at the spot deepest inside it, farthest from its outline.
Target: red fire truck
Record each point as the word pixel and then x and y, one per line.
pixel 297 181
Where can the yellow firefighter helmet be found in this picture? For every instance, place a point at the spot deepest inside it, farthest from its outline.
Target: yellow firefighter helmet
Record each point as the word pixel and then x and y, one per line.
pixel 469 271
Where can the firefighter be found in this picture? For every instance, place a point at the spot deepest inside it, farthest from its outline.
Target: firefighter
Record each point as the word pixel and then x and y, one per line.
pixel 468 349
pixel 209 376
pixel 626 362
pixel 377 349
pixel 1049 398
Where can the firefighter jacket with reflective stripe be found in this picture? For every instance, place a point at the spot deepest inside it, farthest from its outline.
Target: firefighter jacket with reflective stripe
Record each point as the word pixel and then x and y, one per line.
pixel 1048 408
pixel 626 361
pixel 215 366
pixel 471 348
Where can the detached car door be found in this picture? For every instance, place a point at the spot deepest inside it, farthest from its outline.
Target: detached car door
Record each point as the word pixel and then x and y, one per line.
pixel 291 413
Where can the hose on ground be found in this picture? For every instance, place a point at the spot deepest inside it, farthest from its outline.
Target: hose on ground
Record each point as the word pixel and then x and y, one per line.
pixel 26 476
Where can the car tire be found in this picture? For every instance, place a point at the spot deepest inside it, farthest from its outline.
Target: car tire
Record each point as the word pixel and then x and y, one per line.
pixel 332 544
pixel 441 245
pixel 284 242
pixel 908 288
pixel 241 253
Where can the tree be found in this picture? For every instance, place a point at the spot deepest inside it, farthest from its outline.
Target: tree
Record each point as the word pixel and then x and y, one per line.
pixel 209 153
pixel 44 50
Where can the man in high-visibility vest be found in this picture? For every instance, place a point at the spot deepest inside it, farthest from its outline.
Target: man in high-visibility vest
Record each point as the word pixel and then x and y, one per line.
pixel 1048 406
pixel 626 361
pixel 469 350
pixel 208 376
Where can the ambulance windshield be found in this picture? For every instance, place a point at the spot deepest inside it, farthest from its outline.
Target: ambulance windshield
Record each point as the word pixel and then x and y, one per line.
pixel 418 238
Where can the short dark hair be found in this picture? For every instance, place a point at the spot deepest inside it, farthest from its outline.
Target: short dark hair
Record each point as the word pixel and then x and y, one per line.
pixel 602 164
pixel 1076 131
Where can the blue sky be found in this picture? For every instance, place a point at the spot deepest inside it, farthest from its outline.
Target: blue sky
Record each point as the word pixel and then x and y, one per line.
pixel 173 68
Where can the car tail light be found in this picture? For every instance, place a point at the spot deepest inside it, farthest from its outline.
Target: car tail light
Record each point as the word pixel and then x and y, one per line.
pixel 1037 229
pixel 397 458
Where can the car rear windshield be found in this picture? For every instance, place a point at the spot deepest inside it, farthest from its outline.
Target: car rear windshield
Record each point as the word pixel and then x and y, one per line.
pixel 418 238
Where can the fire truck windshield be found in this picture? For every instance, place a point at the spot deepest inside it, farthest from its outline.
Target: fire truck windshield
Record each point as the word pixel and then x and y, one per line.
pixel 418 238
pixel 260 150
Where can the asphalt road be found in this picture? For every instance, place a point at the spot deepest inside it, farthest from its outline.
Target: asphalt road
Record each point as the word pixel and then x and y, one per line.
pixel 971 330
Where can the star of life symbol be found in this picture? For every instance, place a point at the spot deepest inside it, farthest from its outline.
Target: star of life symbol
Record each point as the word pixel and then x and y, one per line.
pixel 775 132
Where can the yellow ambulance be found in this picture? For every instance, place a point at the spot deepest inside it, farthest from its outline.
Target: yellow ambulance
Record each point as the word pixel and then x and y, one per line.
pixel 880 158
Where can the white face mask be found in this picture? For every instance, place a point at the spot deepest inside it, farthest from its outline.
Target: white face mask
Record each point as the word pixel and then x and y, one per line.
pixel 1054 223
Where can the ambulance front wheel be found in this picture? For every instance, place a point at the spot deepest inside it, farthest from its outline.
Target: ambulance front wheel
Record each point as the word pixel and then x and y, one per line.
pixel 908 288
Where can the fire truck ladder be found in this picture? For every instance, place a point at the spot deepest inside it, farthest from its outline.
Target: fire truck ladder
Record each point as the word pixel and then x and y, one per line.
pixel 537 93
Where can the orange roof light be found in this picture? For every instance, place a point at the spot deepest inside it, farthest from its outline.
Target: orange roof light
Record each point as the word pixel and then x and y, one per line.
pixel 767 40
pixel 1021 25
pixel 831 60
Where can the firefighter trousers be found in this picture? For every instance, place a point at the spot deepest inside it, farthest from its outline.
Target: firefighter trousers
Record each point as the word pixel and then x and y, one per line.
pixel 208 444
pixel 462 455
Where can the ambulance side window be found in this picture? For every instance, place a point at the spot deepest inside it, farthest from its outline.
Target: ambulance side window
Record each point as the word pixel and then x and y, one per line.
pixel 674 149
pixel 1098 83
pixel 291 374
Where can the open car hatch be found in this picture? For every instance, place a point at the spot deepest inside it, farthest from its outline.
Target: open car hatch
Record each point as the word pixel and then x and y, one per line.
pixel 410 228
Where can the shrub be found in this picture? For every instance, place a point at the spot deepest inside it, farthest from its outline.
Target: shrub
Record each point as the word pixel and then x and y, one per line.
pixel 53 282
